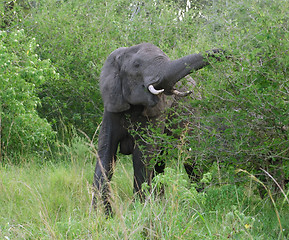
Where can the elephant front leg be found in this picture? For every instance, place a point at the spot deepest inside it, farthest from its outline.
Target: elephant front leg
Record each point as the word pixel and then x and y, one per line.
pixel 107 145
pixel 102 177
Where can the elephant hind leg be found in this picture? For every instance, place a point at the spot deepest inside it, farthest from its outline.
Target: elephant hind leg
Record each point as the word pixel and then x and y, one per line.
pixel 193 176
pixel 160 167
pixel 144 173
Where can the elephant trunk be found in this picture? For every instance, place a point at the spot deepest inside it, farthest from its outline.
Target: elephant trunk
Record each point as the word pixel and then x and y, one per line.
pixel 179 68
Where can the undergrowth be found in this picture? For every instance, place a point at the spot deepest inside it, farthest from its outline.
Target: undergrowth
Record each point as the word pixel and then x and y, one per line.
pixel 51 200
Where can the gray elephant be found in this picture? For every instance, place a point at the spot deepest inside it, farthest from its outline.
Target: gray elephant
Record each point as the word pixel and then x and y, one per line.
pixel 135 83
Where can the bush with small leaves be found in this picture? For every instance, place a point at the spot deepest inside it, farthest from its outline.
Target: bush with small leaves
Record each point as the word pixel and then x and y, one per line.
pixel 22 74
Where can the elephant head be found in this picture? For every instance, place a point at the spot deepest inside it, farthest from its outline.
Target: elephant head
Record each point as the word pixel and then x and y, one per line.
pixel 137 75
pixel 134 83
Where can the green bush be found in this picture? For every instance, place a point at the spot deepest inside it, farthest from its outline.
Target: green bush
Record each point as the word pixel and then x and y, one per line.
pixel 242 118
pixel 22 74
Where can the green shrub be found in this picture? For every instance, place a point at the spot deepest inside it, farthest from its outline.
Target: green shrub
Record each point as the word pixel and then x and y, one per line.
pixel 22 74
pixel 242 118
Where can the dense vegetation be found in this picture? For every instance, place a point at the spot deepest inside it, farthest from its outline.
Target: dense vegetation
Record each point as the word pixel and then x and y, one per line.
pixel 51 54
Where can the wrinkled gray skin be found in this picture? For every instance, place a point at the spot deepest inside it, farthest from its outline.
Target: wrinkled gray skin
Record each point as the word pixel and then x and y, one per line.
pixel 124 82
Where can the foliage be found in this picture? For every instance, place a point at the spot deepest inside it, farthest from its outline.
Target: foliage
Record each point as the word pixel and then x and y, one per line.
pixel 22 74
pixel 10 14
pixel 243 113
pixel 68 35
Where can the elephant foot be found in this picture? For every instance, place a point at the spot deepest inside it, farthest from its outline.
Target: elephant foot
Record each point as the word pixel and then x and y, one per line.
pixel 105 204
pixel 107 208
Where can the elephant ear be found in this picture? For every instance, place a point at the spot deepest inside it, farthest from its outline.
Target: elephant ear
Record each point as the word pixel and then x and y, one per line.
pixel 111 84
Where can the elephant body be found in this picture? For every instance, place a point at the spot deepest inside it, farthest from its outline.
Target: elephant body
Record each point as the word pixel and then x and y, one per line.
pixel 137 85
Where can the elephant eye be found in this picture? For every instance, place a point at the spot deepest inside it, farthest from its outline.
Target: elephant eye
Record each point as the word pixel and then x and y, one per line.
pixel 136 64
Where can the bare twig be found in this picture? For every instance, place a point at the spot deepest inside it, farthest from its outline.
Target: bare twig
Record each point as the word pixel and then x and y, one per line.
pixel 269 192
pixel 278 185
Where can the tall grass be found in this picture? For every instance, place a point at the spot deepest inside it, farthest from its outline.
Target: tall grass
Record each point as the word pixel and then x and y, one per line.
pixel 51 200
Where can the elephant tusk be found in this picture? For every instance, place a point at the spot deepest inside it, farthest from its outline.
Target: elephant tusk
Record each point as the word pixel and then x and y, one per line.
pixel 181 94
pixel 154 91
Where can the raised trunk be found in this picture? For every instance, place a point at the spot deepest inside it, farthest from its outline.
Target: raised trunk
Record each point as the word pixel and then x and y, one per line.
pixel 179 68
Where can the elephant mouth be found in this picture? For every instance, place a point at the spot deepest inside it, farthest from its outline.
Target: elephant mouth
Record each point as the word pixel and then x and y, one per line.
pixel 176 92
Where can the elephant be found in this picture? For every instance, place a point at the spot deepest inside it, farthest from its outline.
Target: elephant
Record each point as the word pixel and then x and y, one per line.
pixel 137 84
